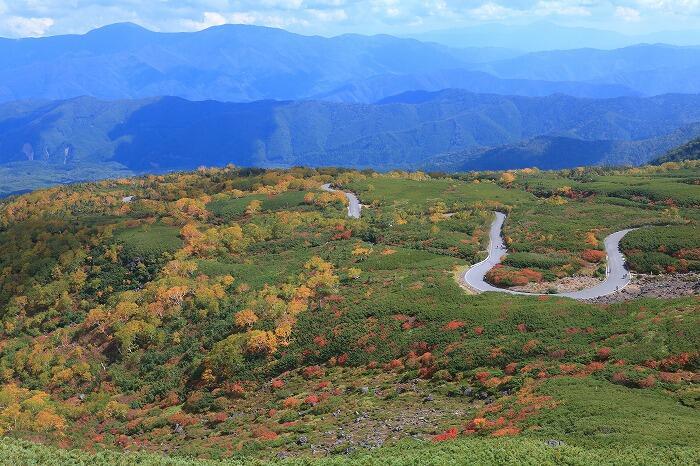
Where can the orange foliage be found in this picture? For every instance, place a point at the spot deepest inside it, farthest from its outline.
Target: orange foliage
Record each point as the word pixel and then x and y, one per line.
pixel 449 434
pixel 291 402
pixel 453 325
pixel 313 372
pixel 593 255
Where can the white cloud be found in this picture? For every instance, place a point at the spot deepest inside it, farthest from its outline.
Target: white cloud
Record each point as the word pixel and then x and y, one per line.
pixel 627 14
pixel 492 11
pixel 210 19
pixel 19 26
pixel 561 8
pixel 335 15
pixel 330 17
pixel 671 6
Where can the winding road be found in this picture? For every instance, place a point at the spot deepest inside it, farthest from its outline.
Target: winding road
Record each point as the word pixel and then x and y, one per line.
pixel 354 206
pixel 617 277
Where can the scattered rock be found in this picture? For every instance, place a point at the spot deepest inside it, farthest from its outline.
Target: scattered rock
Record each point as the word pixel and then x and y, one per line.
pixel 302 440
pixel 655 286
pixel 554 443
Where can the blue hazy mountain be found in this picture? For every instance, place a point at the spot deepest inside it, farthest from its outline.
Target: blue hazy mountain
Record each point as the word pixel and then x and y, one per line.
pixel 649 69
pixel 160 134
pixel 228 63
pixel 544 35
pixel 247 63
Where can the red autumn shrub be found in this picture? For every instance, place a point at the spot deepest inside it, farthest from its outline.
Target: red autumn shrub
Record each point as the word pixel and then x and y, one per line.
pixel 532 275
pixel 670 377
pixel 219 417
pixel 603 353
pixel 427 372
pixel 505 431
pixel 235 389
pixel 453 325
pixel 678 361
pixel 567 368
pixel 342 359
pixel 619 378
pixel 264 433
pixel 427 359
pixel 291 402
pixel 171 399
pixel 593 255
pixel 323 384
pixel 647 382
pixel 272 412
pixel 522 328
pixel 449 434
pixel 394 365
pixel 557 354
pixel 122 440
pixel 511 368
pixel 311 400
pixel 477 423
pixel 595 366
pixel 313 372
pixel 320 341
pixel 182 419
pixel 479 330
pixel 277 384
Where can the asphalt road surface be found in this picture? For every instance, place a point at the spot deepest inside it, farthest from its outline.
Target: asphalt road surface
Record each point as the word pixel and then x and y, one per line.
pixel 354 206
pixel 617 276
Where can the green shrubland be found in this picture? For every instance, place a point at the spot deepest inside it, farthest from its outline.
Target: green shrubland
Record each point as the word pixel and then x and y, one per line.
pixel 239 315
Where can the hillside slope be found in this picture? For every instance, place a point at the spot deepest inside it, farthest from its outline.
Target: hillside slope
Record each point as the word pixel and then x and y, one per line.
pixel 687 151
pixel 241 314
pixel 556 152
pixel 402 131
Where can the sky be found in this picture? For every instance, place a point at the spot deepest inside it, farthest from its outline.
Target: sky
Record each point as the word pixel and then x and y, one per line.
pixel 35 18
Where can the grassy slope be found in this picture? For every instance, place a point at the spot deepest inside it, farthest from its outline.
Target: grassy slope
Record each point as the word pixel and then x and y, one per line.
pixel 405 274
pixel 463 451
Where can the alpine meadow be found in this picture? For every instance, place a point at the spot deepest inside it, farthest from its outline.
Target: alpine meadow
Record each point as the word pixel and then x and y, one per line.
pixel 352 232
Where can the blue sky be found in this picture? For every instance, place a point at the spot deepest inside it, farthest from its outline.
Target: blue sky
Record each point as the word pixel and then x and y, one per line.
pixel 22 18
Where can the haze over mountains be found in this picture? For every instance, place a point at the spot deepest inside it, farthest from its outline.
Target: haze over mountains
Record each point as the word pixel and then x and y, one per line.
pixel 544 35
pixel 94 104
pixel 244 63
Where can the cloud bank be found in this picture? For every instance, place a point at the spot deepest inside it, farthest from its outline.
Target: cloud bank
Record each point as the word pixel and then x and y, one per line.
pixel 23 18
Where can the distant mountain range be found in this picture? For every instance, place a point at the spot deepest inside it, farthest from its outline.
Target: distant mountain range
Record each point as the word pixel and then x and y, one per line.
pixel 544 35
pixel 451 128
pixel 89 106
pixel 247 63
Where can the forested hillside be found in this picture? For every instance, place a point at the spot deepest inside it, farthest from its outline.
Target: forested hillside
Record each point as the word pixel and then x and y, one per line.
pixel 239 313
pixel 688 151
pixel 80 136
